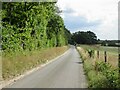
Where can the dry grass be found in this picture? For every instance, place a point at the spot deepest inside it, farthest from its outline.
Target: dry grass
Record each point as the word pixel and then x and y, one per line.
pixel 15 65
pixel 85 56
pixel 83 53
pixel 112 58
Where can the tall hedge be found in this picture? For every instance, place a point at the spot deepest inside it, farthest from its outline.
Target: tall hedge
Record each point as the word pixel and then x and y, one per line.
pixel 31 25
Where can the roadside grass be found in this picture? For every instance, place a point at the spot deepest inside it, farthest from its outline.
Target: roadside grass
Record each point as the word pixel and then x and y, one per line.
pixel 99 73
pixel 112 53
pixel 17 64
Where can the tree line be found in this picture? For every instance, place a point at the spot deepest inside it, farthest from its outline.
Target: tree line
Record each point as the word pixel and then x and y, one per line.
pixel 88 37
pixel 32 25
pixel 113 43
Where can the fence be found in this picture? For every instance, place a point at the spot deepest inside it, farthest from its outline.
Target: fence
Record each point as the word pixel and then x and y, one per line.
pixel 105 56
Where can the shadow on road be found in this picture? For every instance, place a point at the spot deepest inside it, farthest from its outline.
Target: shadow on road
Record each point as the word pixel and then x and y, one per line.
pixel 79 62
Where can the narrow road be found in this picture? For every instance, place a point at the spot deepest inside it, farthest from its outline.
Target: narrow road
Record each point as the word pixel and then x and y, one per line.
pixel 65 72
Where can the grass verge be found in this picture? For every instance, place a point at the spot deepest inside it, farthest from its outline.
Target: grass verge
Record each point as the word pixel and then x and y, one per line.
pixel 17 64
pixel 99 73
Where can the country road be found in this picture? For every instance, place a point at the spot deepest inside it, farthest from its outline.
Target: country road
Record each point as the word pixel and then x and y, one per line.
pixel 65 72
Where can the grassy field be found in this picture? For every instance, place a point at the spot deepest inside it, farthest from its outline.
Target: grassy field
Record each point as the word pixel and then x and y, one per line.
pixel 17 64
pixel 112 53
pixel 112 50
pixel 100 74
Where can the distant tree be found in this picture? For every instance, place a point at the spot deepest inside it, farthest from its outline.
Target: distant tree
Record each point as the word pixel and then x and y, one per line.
pixel 82 37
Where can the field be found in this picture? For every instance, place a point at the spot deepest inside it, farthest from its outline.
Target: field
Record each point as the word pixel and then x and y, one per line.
pixel 17 64
pixel 112 53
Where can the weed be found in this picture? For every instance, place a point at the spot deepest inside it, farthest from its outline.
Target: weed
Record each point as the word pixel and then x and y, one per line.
pixel 90 52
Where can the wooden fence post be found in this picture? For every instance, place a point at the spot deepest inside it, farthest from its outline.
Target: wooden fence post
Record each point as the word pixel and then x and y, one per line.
pixel 119 66
pixel 105 54
pixel 119 63
pixel 97 54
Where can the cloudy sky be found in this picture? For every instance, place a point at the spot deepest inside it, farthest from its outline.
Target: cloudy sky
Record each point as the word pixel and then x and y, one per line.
pixel 99 16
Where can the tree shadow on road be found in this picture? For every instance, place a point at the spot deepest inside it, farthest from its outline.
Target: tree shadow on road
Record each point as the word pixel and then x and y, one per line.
pixel 79 62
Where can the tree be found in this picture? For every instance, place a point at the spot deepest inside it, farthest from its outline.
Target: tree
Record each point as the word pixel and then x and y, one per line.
pixel 68 36
pixel 81 37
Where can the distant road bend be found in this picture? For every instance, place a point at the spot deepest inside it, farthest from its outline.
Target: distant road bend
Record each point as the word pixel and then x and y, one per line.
pixel 65 72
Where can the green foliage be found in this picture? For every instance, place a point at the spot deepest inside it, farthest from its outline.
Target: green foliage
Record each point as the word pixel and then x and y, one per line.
pixel 110 73
pixel 102 66
pixel 112 78
pixel 102 75
pixel 96 80
pixel 68 36
pixel 31 25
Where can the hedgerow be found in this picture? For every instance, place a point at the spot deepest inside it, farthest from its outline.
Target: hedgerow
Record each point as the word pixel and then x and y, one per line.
pixel 31 25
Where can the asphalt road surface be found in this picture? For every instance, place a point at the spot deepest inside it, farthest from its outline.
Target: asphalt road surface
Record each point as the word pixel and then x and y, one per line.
pixel 65 72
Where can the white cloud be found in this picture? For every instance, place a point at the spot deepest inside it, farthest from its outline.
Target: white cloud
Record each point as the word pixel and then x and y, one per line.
pixel 93 10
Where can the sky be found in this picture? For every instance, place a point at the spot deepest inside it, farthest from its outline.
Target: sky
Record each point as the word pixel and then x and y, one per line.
pixel 98 16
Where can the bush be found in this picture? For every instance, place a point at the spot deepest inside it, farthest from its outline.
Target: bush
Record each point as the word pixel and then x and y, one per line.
pixel 112 78
pixel 97 80
pixel 91 53
pixel 111 74
pixel 102 66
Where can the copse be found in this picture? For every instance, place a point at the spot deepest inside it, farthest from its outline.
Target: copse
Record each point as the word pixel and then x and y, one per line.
pixel 82 37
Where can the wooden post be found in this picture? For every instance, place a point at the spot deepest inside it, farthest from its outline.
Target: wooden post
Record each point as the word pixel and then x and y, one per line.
pixel 119 66
pixel 105 54
pixel 97 54
pixel 119 63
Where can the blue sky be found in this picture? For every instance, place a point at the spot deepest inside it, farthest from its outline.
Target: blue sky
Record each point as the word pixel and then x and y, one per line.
pixel 99 16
